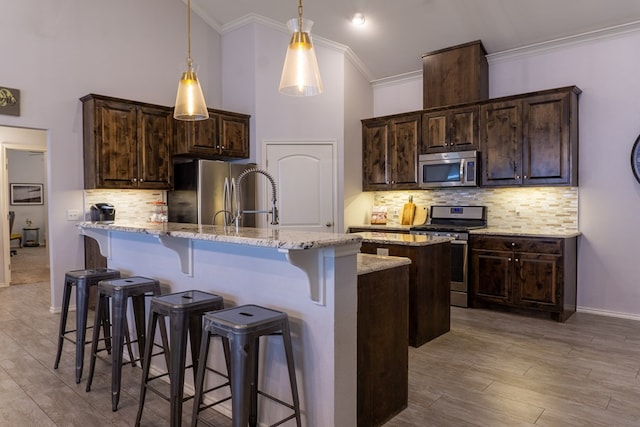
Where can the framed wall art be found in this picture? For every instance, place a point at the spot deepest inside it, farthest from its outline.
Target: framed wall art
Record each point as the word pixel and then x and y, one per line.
pixel 26 194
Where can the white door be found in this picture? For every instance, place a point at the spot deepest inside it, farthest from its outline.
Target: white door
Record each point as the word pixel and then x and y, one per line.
pixel 304 174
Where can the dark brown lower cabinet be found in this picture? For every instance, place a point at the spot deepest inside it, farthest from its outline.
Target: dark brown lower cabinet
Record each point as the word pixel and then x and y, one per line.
pixel 383 359
pixel 429 287
pixel 532 274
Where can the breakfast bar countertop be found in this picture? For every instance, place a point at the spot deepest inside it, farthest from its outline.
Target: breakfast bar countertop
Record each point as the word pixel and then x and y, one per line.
pixel 401 238
pixel 263 237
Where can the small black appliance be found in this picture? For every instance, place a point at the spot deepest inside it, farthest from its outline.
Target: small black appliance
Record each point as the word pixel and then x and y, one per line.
pixel 103 212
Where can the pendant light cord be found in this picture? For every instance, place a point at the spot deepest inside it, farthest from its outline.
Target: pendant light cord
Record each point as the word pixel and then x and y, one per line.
pixel 189 32
pixel 300 16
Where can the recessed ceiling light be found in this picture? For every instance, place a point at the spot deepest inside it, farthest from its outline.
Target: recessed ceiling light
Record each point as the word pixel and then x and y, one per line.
pixel 358 19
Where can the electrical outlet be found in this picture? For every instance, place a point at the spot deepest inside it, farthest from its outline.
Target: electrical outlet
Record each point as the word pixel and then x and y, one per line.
pixel 73 215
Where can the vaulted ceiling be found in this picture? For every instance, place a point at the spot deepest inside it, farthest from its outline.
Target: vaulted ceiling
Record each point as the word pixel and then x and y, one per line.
pixel 397 32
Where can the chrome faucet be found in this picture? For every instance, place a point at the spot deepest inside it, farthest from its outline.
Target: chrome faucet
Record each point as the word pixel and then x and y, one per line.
pixel 239 211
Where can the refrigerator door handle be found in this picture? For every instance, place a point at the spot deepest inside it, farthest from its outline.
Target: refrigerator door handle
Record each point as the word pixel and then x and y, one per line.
pixel 226 201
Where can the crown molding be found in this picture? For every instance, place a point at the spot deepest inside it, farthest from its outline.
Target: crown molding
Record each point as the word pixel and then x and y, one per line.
pixel 610 32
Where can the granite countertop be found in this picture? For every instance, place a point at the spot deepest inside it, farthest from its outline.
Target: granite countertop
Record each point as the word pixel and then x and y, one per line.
pixel 264 237
pixel 369 263
pixel 530 232
pixel 401 238
pixel 383 227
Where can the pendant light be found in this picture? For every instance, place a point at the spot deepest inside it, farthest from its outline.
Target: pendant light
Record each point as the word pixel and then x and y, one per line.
pixel 190 105
pixel 300 74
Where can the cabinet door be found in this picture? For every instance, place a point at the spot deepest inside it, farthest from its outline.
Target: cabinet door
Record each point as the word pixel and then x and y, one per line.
pixel 114 145
pixel 492 273
pixel 435 135
pixel 450 130
pixel 405 138
pixel 463 133
pixel 374 154
pixel 155 146
pixel 234 136
pixel 198 138
pixel 500 143
pixel 547 155
pixel 536 280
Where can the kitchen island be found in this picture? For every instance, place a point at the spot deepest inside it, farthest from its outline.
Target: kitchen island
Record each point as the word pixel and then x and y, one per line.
pixel 311 276
pixel 429 279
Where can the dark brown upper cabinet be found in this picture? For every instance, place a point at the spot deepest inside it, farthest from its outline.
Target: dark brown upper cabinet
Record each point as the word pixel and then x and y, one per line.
pixel 530 139
pixel 224 135
pixel 454 129
pixel 390 152
pixel 127 144
pixel 455 75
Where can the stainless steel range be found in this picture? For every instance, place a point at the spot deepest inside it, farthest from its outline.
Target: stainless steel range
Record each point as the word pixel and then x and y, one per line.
pixel 455 222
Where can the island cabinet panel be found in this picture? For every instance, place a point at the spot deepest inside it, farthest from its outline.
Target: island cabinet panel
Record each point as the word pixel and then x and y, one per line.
pixel 450 130
pixel 127 144
pixel 382 350
pixel 530 139
pixel 224 135
pixel 534 274
pixel 390 152
pixel 429 287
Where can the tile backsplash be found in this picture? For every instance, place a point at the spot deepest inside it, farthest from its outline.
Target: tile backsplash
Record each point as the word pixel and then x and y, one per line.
pixel 508 208
pixel 131 205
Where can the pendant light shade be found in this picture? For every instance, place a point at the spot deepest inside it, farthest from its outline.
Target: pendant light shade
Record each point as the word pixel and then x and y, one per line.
pixel 190 105
pixel 300 74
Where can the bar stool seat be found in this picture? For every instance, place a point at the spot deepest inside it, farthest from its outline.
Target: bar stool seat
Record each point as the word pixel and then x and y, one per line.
pixel 241 327
pixel 185 311
pixel 120 290
pixel 82 280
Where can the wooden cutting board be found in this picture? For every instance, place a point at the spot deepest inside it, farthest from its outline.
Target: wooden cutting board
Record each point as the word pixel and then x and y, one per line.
pixel 408 212
pixel 420 216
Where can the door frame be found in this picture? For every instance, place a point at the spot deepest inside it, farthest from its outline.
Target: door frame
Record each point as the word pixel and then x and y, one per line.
pixel 5 252
pixel 338 222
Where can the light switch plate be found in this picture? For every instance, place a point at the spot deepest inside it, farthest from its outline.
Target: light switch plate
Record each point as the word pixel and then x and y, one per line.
pixel 73 215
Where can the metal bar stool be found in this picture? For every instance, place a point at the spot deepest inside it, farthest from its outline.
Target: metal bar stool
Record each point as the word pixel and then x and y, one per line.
pixel 82 280
pixel 242 328
pixel 185 311
pixel 120 290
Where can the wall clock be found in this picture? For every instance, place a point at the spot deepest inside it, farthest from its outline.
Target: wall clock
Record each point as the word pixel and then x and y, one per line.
pixel 635 159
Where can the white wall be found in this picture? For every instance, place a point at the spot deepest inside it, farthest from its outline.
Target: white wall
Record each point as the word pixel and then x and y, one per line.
pixel 251 85
pixel 609 197
pixel 61 50
pixel 358 105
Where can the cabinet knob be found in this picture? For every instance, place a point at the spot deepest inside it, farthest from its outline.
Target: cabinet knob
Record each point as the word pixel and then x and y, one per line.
pixel 517 260
pixel 329 224
pixel 509 259
pixel 525 177
pixel 141 179
pixel 513 243
pixel 517 176
pixel 134 180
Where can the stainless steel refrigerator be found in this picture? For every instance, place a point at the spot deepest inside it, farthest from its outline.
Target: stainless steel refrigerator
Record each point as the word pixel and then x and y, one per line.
pixel 204 191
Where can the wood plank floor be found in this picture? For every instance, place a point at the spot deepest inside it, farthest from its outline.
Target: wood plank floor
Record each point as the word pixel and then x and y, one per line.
pixel 492 369
pixel 501 369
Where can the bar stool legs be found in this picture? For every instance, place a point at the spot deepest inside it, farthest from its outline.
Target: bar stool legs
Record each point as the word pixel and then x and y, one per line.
pixel 120 290
pixel 82 280
pixel 241 327
pixel 185 311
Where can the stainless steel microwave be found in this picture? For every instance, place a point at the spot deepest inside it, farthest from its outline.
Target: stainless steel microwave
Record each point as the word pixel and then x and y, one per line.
pixel 451 169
